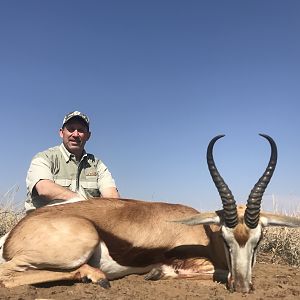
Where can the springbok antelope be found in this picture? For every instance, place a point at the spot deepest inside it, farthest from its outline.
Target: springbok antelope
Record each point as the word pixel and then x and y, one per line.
pixel 102 239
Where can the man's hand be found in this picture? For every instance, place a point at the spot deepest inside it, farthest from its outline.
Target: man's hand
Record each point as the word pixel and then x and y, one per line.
pixel 110 192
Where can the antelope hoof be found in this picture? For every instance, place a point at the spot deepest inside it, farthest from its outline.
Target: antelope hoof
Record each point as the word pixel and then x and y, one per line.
pixel 85 279
pixel 104 283
pixel 154 274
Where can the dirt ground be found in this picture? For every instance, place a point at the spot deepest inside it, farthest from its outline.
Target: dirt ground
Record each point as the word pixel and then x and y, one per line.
pixel 270 282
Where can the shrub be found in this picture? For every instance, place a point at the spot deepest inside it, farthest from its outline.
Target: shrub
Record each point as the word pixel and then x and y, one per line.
pixel 10 213
pixel 281 244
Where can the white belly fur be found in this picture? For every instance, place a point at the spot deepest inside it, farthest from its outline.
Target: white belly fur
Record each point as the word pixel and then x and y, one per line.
pixel 2 241
pixel 111 268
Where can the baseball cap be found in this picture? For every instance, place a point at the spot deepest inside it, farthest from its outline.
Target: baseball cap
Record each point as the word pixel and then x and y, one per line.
pixel 76 114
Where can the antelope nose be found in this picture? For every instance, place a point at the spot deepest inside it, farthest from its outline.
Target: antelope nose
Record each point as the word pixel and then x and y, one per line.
pixel 242 288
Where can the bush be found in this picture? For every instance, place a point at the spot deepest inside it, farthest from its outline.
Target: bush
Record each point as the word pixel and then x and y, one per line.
pixel 10 213
pixel 281 244
pixel 8 219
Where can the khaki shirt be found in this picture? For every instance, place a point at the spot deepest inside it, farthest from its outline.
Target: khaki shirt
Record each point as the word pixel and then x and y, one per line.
pixel 88 177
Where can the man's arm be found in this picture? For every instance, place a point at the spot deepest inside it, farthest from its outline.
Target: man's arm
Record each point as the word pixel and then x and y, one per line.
pixel 110 192
pixel 106 183
pixel 40 181
pixel 52 191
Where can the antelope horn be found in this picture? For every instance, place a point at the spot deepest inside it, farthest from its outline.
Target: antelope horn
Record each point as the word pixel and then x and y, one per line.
pixel 229 205
pixel 252 212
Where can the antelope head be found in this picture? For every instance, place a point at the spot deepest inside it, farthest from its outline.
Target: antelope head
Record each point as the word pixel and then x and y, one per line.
pixel 241 227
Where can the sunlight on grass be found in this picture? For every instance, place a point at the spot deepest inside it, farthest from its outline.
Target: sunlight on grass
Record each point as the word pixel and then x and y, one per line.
pixel 9 212
pixel 282 244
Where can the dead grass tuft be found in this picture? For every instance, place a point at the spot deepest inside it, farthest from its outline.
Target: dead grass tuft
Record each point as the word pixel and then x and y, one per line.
pixel 281 245
pixel 8 219
pixel 10 213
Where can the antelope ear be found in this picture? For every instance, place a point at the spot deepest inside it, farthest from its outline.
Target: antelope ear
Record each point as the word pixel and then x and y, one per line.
pixel 268 219
pixel 201 218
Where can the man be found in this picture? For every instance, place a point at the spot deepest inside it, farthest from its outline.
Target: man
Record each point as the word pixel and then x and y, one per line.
pixel 67 172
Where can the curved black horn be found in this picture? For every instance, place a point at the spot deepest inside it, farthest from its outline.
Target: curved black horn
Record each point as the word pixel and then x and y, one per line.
pixel 253 204
pixel 229 205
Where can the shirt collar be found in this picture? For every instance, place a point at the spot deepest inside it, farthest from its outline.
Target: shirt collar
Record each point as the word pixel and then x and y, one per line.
pixel 68 155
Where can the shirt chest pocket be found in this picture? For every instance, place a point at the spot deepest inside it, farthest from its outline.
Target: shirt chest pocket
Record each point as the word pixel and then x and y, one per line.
pixel 91 188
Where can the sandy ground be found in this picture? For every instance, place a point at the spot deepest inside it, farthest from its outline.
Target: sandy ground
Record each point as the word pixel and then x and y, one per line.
pixel 270 281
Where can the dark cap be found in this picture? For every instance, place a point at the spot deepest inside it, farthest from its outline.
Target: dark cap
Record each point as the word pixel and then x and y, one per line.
pixel 76 114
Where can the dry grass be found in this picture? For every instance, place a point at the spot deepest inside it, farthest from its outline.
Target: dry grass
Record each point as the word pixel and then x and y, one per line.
pixel 10 213
pixel 280 245
pixel 8 219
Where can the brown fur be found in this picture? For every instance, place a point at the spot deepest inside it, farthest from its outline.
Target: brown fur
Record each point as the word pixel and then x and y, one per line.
pixel 137 234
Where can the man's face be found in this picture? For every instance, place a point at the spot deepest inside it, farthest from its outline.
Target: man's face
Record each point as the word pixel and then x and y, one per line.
pixel 74 135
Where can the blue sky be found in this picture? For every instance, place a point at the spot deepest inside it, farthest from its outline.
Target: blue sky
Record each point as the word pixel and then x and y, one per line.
pixel 158 79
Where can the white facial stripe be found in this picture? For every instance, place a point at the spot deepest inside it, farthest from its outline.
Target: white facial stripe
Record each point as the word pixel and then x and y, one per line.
pixel 240 258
